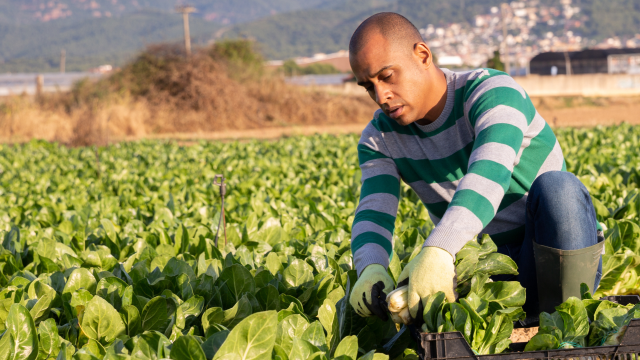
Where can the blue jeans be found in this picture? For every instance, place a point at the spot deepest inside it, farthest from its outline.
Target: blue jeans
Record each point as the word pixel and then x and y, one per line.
pixel 560 215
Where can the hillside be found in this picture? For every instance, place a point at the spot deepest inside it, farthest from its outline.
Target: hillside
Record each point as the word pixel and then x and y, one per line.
pixel 32 32
pixel 92 42
pixel 20 12
pixel 283 28
pixel 328 28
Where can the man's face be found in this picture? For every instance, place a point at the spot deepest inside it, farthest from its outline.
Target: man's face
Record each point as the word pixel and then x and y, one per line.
pixel 394 77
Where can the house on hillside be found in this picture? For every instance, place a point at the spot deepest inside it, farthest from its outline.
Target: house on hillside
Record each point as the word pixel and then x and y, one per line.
pixel 339 60
pixel 596 61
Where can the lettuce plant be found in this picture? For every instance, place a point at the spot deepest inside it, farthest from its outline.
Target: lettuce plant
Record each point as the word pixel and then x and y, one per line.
pixel 485 311
pixel 129 230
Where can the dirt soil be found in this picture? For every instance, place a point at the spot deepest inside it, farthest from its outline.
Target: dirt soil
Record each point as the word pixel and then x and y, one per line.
pixel 523 335
pixel 558 112
pixel 259 134
pixel 303 111
pixel 588 112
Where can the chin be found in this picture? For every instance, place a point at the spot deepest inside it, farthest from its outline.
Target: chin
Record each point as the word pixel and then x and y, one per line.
pixel 402 120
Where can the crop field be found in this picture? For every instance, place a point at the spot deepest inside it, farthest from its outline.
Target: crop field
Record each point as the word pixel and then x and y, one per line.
pixel 111 254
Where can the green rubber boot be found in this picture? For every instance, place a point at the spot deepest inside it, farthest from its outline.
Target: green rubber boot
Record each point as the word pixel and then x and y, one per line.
pixel 560 272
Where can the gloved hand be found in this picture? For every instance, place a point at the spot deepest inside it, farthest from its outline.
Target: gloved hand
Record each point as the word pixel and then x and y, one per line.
pixel 432 270
pixel 370 292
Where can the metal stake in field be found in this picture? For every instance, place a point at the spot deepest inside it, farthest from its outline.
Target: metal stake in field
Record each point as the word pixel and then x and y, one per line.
pixel 186 10
pixel 221 219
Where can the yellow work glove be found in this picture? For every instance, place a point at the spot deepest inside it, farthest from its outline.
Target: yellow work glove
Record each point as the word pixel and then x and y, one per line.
pixel 432 270
pixel 369 294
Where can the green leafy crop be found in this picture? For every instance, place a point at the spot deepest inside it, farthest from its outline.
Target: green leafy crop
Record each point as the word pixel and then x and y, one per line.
pixel 112 255
pixel 485 312
pixel 581 323
pixel 125 265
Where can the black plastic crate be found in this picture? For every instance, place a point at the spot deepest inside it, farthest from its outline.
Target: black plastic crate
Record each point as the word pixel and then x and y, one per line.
pixel 623 299
pixel 452 345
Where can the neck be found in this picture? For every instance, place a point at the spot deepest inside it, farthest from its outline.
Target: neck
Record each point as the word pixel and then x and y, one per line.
pixel 439 97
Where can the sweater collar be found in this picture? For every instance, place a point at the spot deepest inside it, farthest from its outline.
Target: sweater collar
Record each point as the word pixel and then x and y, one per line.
pixel 448 107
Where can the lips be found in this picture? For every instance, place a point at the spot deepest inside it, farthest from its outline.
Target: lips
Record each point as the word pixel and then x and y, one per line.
pixel 396 111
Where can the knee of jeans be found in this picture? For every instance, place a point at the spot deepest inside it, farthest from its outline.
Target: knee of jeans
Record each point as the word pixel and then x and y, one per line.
pixel 556 184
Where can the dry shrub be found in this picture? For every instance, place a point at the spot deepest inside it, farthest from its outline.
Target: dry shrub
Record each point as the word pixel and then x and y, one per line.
pixel 164 92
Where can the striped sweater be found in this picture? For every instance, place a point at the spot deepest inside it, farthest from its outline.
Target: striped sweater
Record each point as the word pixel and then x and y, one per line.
pixel 472 167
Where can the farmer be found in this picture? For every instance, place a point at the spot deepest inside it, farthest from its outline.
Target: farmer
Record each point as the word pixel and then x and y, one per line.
pixel 481 159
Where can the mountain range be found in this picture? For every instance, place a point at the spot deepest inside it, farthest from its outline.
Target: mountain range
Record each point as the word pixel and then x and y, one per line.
pixel 95 32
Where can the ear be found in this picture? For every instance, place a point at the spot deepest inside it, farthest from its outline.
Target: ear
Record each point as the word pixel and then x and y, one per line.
pixel 423 54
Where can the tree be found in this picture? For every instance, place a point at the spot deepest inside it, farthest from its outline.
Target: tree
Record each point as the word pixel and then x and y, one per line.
pixel 291 68
pixel 495 62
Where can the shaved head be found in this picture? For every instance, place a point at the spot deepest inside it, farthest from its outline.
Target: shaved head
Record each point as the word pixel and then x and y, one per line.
pixel 395 28
pixel 395 66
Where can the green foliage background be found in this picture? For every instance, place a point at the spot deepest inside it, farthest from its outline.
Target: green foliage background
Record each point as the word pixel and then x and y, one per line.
pixel 495 62
pixel 291 68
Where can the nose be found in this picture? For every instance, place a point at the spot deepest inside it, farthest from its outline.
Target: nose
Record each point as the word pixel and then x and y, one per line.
pixel 383 94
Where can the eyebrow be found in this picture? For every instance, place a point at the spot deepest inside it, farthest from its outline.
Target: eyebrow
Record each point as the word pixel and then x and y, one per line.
pixel 362 83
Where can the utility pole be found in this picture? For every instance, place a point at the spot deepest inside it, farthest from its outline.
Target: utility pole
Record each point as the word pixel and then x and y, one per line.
pixel 567 63
pixel 39 85
pixel 63 61
pixel 186 10
pixel 507 63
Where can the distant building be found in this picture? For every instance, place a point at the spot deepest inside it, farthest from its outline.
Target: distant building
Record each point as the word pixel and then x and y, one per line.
pixel 450 61
pixel 102 69
pixel 597 61
pixel 339 60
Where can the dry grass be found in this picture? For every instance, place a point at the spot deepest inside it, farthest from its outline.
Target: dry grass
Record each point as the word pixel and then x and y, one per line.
pixel 588 111
pixel 163 92
pixel 223 90
pixel 572 102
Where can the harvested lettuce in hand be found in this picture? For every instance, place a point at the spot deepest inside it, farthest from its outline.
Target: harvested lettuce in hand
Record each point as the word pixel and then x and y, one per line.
pixel 485 311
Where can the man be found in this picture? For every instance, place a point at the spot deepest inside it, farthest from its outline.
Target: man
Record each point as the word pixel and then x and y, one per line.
pixel 481 159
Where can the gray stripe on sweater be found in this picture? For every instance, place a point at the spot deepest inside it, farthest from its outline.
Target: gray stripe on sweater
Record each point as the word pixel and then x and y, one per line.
pixel 536 126
pixel 448 106
pixel 489 84
pixel 362 227
pixel 368 254
pixel 500 153
pixel 381 202
pixel 502 114
pixel 466 76
pixel 434 219
pixel 435 192
pixel 373 139
pixel 488 188
pixel 509 218
pixel 457 227
pixel 435 147
pixel 554 160
pixel 377 167
pixel 377 113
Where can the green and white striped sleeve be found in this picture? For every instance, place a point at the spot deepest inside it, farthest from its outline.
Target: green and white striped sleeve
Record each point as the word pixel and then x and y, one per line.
pixel 499 111
pixel 373 225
